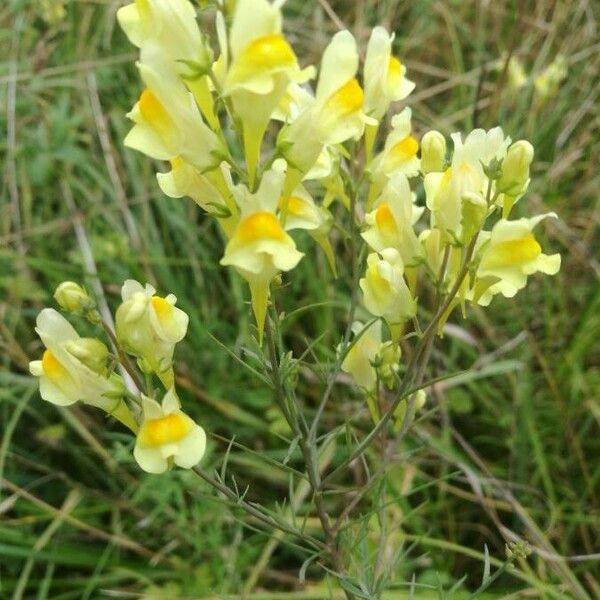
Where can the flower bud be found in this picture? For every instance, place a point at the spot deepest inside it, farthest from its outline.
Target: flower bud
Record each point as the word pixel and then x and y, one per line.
pixel 72 297
pixel 91 352
pixel 433 152
pixel 388 363
pixel 515 169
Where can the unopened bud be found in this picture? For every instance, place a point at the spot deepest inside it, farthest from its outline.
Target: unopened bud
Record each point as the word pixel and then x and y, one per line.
pixel 420 399
pixel 388 362
pixel 433 152
pixel 72 297
pixel 91 352
pixel 515 168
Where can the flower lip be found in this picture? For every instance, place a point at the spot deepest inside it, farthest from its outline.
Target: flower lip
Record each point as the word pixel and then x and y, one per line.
pixel 259 226
pixel 51 366
pixel 513 252
pixel 347 99
pixel 385 218
pixel 269 52
pixel 164 430
pixel 406 148
pixel 162 307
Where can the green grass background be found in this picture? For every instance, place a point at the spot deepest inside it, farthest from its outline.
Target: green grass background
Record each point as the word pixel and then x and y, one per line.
pixel 512 448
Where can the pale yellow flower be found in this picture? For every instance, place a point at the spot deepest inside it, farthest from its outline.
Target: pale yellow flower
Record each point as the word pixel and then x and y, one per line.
pixel 148 326
pixel 509 254
pixel 73 369
pixel 168 123
pixel 385 292
pixel 384 75
pixel 169 29
pixel 262 66
pixel 399 154
pixel 463 180
pixel 333 116
pixel 390 223
pixel 167 436
pixel 259 247
pixel 169 25
pixel 363 353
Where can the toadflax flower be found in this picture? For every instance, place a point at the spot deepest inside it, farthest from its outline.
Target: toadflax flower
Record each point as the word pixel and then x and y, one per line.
pixel 73 369
pixel 167 122
pixel 385 291
pixel 363 353
pixel 148 326
pixel 259 247
pixel 333 116
pixel 509 255
pixel 167 436
pixel 262 65
pixel 399 154
pixel 384 75
pixel 390 223
pixel 464 180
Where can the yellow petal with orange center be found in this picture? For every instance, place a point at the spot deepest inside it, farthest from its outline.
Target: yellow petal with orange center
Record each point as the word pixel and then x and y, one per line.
pixel 164 430
pixel 347 99
pixel 267 52
pixel 385 219
pixel 260 226
pixel 512 252
pixel 52 368
pixel 405 149
pixel 155 114
pixel 161 307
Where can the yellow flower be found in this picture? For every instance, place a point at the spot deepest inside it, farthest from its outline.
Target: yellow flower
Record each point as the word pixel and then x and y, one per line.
pixel 363 353
pixel 390 223
pixel 259 247
pixel 464 179
pixel 148 326
pixel 169 30
pixel 510 254
pixel 73 369
pixel 167 436
pixel 399 154
pixel 262 66
pixel 384 75
pixel 171 26
pixel 168 123
pixel 385 291
pixel 333 116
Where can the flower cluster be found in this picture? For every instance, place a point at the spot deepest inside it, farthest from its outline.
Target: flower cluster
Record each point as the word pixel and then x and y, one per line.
pixel 427 215
pixel 80 369
pixel 193 104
